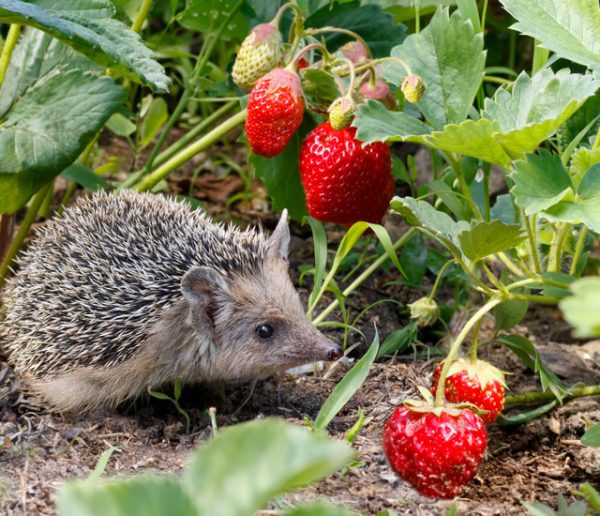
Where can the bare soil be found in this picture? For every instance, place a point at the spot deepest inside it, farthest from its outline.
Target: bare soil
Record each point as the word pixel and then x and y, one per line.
pixel 533 462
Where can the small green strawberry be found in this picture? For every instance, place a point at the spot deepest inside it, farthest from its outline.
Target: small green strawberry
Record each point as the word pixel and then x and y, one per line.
pixel 425 311
pixel 341 112
pixel 413 88
pixel 259 53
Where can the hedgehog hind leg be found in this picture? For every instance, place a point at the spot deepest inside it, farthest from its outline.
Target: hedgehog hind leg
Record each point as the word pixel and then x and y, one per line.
pixel 84 390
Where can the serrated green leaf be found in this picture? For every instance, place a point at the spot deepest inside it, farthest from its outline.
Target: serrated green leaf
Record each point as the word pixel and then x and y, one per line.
pixel 376 123
pixel 569 28
pixel 582 309
pixel 510 313
pixel 541 181
pixel 370 22
pixel 504 209
pixel 581 161
pixel 271 456
pixel 586 211
pixel 485 238
pixel 472 138
pixel 84 176
pixel 282 179
pixel 151 496
pixel 347 387
pixel 47 129
pixel 536 107
pixel 592 436
pixel 448 54
pixel 38 55
pixel 437 223
pixel 319 87
pixel 208 15
pixel 589 186
pixel 89 27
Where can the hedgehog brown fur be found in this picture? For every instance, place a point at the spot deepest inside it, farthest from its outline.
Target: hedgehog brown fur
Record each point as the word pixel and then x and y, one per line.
pixel 128 291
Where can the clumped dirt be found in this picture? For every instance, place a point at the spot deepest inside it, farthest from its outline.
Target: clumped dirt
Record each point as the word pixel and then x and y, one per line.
pixel 533 462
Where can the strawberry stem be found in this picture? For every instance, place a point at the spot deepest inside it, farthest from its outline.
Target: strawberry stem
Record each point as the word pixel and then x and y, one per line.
pixel 438 279
pixel 475 342
pixel 375 62
pixel 188 152
pixel 294 62
pixel 539 396
pixel 439 395
pixel 297 13
pixel 323 30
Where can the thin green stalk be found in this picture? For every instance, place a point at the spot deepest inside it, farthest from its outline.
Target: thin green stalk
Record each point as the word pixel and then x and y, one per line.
pixel 66 197
pixel 323 30
pixel 417 5
pixel 438 278
pixel 530 227
pixel 29 219
pixel 9 45
pixel 556 247
pixel 189 152
pixel 439 396
pixel 142 14
pixel 484 15
pixel 538 396
pixel 486 192
pixel 510 265
pixel 196 131
pixel 475 342
pixel 190 88
pixel 367 272
pixel 44 211
pixel 540 57
pixel 496 80
pixel 578 250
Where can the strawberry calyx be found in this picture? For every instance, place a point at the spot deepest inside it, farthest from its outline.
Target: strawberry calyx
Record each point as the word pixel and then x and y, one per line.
pixel 483 371
pixel 427 404
pixel 284 78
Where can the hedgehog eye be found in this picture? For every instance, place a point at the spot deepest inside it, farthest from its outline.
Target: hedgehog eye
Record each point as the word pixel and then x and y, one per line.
pixel 264 331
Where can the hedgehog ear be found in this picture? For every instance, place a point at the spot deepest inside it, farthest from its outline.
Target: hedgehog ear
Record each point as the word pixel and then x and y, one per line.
pixel 279 241
pixel 199 285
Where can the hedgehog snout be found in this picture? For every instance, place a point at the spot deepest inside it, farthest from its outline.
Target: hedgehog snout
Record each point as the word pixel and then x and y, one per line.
pixel 327 349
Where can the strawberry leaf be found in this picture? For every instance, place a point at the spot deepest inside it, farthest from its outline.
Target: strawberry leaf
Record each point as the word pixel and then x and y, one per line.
pixel 89 27
pixel 271 456
pixel 582 309
pixel 536 107
pixel 49 117
pixel 376 124
pixel 486 238
pixel 571 29
pixel 374 25
pixel 541 181
pixel 436 223
pixel 592 436
pixel 448 55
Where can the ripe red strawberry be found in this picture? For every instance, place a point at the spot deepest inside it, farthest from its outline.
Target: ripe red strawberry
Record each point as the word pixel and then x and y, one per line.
pixel 302 63
pixel 479 383
pixel 275 111
pixel 345 182
pixel 438 451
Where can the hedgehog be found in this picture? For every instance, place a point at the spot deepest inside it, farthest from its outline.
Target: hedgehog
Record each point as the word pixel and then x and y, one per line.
pixel 129 291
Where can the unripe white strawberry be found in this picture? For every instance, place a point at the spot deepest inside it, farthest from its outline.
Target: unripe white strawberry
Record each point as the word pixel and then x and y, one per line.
pixel 378 91
pixel 413 88
pixel 259 53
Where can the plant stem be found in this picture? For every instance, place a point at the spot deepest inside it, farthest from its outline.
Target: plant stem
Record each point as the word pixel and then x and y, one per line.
pixel 530 226
pixel 189 152
pixel 496 80
pixel 367 272
pixel 142 14
pixel 190 88
pixel 578 249
pixel 9 45
pixel 196 131
pixel 555 253
pixel 322 30
pixel 438 279
pixel 484 15
pixel 512 267
pixel 538 396
pixel 475 340
pixel 29 219
pixel 439 396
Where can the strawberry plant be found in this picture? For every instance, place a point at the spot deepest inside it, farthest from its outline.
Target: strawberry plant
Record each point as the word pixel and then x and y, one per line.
pixel 327 96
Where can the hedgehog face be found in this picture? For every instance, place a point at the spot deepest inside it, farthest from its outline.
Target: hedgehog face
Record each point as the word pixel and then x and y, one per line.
pixel 256 320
